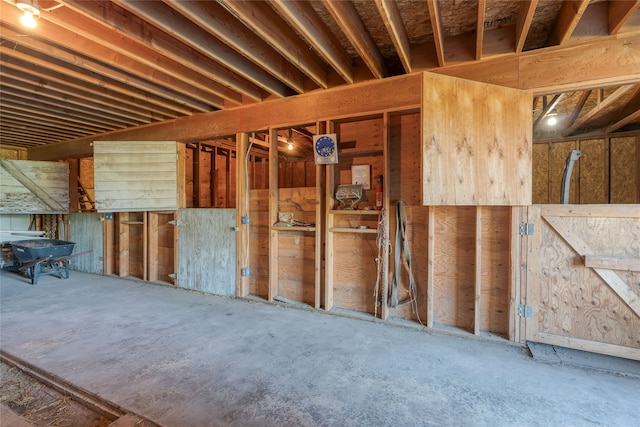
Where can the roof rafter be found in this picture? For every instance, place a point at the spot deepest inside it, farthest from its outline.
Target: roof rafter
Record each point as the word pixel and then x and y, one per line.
pixel 635 116
pixel 482 8
pixel 523 24
pixel 346 15
pixel 598 108
pixel 436 27
pixel 567 20
pixel 305 20
pixel 619 12
pixel 393 23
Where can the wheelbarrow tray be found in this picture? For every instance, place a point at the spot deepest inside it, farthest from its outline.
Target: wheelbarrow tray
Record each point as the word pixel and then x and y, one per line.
pixel 29 250
pixel 43 256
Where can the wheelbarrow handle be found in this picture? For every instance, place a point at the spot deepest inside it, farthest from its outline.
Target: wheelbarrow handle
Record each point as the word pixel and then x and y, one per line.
pixel 33 262
pixel 68 257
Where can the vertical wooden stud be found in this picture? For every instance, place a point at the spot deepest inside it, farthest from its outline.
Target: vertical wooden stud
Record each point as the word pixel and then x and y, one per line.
pixel 182 177
pixel 74 173
pixel 386 203
pixel 213 177
pixel 431 265
pixel 153 246
pixel 123 243
pixel 478 272
pixel 273 213
pixel 197 158
pixel 320 209
pixel 108 245
pixel 176 247
pixel 517 276
pixel 242 242
pixel 329 251
pixel 145 246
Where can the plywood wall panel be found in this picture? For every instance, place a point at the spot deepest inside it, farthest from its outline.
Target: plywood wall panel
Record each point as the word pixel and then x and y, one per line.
pixel 405 181
pixel 354 271
pixel 296 266
pixel 594 171
pixel 625 170
pixel 454 270
pixel 134 169
pixel 86 230
pixel 477 142
pixel 540 173
pixel 259 232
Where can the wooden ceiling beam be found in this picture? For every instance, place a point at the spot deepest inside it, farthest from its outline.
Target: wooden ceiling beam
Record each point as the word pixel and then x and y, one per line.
pixel 598 108
pixel 567 20
pixel 43 93
pixel 98 54
pixel 57 74
pixel 99 29
pixel 216 20
pixel 436 28
pixel 619 12
pixel 30 134
pixel 390 14
pixel 347 18
pixel 39 128
pixel 578 108
pixel 301 16
pixel 52 122
pixel 58 85
pixel 631 118
pixel 523 24
pixel 482 7
pixel 209 56
pixel 10 97
pixel 37 112
pixel 268 25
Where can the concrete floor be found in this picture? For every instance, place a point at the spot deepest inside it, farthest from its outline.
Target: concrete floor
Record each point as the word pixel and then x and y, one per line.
pixel 187 359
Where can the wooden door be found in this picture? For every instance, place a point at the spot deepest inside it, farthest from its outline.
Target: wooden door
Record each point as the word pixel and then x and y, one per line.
pixel 207 250
pixel 583 278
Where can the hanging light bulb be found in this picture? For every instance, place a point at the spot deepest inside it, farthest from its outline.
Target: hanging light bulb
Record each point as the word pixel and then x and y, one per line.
pixel 30 10
pixel 290 140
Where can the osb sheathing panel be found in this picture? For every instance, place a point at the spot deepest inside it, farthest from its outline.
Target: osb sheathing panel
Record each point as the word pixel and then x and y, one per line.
pixel 557 159
pixel 594 171
pixel 540 173
pixel 625 169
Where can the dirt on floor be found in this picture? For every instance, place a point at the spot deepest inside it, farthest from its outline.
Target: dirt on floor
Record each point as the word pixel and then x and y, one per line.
pixel 42 405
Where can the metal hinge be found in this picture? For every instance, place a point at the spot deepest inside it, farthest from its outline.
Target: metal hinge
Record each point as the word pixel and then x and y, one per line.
pixel 525 310
pixel 175 222
pixel 526 229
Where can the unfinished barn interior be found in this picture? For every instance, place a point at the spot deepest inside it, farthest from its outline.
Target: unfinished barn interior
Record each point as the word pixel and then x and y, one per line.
pixel 466 167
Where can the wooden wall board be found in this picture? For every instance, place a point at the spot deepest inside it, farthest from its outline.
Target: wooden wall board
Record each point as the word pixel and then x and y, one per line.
pixel 207 250
pixel 405 180
pixel 296 266
pixel 625 169
pixel 354 271
pixel 259 238
pixel 495 268
pixel 86 230
pixel 136 176
pixel 594 171
pixel 477 143
pixel 31 187
pixel 540 167
pixel 454 254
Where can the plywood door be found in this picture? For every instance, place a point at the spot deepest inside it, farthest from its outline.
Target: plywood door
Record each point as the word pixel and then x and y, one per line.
pixel 85 229
pixel 207 250
pixel 583 279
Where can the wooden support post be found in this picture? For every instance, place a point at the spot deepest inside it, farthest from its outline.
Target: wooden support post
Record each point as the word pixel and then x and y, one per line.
pixel 243 238
pixel 213 178
pixel 182 177
pixel 227 197
pixel 176 248
pixel 478 272
pixel 515 273
pixel 329 251
pixel 273 213
pixel 319 236
pixel 123 244
pixel 145 247
pixel 108 245
pixel 431 229
pixel 153 246
pixel 197 158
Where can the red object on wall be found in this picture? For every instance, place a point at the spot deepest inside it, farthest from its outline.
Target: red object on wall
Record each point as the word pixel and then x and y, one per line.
pixel 379 193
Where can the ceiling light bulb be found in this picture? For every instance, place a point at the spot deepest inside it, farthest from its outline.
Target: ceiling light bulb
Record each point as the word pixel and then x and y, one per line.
pixel 552 121
pixel 27 20
pixel 290 145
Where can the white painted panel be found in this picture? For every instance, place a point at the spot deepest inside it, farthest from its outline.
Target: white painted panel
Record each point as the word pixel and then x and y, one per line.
pixel 134 176
pixel 207 250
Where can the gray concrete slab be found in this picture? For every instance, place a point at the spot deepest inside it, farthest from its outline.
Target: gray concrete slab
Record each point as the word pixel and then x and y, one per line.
pixel 184 358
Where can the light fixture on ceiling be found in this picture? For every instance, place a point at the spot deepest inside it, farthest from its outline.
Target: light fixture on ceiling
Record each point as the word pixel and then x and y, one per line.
pixel 30 9
pixel 290 140
pixel 552 117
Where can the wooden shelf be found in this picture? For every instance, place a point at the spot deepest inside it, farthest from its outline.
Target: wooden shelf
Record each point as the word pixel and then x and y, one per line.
pixel 371 212
pixel 294 228
pixel 353 230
